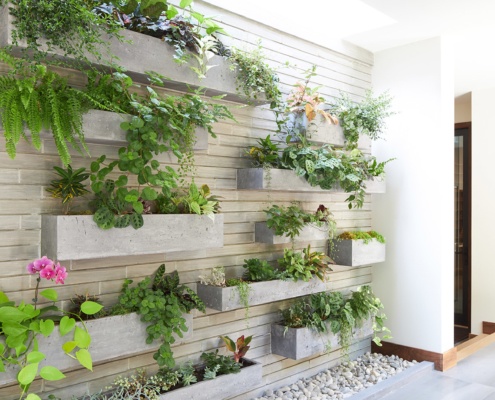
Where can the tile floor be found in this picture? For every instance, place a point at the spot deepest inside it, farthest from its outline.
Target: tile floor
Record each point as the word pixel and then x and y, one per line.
pixel 471 379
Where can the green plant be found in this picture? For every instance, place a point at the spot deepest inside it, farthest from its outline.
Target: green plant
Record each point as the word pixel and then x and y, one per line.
pixel 68 25
pixel 243 290
pixel 255 76
pixel 328 168
pixel 289 221
pixel 161 303
pixel 41 100
pixel 190 201
pixel 365 236
pixel 223 364
pixel 68 186
pixel 240 347
pixel 160 124
pixel 303 265
pixel 260 271
pixel 76 308
pixel 21 325
pixel 266 154
pixel 365 118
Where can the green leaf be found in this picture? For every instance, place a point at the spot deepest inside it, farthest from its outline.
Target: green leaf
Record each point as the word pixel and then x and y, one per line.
pixel 149 194
pixel 185 3
pixel 46 327
pixel 67 347
pixel 35 357
pixel 2 366
pixel 13 328
pixel 51 373
pixel 172 12
pixel 3 298
pixel 8 314
pixel 90 307
pixel 138 207
pixel 137 221
pixel 27 374
pixel 32 396
pixel 50 294
pixel 84 358
pixel 195 207
pixel 121 181
pixel 82 338
pixel 67 324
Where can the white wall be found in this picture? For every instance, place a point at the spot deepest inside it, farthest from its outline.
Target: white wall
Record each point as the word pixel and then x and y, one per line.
pixel 463 108
pixel 483 220
pixel 416 214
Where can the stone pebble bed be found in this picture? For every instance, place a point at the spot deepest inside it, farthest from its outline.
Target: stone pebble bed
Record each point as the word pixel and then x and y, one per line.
pixel 342 381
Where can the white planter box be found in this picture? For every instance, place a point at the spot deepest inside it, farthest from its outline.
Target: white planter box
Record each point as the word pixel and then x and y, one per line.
pixel 77 237
pixel 263 234
pixel 287 180
pixel 297 343
pixel 111 338
pixel 147 53
pixel 355 253
pixel 227 298
pixel 222 387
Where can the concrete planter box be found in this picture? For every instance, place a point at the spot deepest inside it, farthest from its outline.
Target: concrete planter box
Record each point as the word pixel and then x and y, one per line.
pixel 147 53
pixel 297 343
pixel 105 346
pixel 227 298
pixel 321 132
pixel 263 234
pixel 77 237
pixel 355 253
pixel 287 180
pixel 222 387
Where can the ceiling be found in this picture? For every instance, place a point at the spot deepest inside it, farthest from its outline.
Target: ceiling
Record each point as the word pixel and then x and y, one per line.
pixel 382 24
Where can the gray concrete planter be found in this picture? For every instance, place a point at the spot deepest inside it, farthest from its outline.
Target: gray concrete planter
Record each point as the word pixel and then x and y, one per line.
pixel 355 253
pixel 297 343
pixel 222 387
pixel 287 180
pixel 263 234
pixel 321 132
pixel 146 53
pixel 105 346
pixel 227 298
pixel 77 237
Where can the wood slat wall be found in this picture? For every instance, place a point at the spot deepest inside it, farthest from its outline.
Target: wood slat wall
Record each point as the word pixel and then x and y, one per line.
pixel 23 199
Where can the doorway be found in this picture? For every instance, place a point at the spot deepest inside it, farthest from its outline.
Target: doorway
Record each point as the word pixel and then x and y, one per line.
pixel 462 235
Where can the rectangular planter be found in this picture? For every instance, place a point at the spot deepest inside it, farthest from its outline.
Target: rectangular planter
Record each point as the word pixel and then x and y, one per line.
pixel 111 337
pixel 146 53
pixel 287 180
pixel 263 234
pixel 297 343
pixel 222 387
pixel 355 253
pixel 77 237
pixel 227 298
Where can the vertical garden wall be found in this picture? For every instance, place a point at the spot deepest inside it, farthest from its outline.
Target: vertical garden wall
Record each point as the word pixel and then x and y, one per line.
pixel 23 201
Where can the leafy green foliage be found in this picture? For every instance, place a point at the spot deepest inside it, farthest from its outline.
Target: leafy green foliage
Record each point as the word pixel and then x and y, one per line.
pixel 303 265
pixel 289 221
pixel 161 303
pixel 260 271
pixel 243 290
pixel 367 237
pixel 255 76
pixel 331 311
pixel 240 347
pixel 224 364
pixel 77 307
pixel 42 100
pixel 66 25
pixel 189 201
pixel 69 185
pixel 266 154
pixel 365 118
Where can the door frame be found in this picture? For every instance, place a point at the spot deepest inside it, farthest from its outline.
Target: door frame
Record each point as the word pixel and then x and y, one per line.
pixel 467 221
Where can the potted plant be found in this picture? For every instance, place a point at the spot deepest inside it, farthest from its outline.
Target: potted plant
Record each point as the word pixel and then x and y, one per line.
pixel 357 248
pixel 328 321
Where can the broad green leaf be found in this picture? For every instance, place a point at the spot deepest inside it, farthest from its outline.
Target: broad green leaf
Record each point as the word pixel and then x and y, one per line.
pixel 195 207
pixel 138 207
pixel 172 12
pixel 8 314
pixel 66 325
pixel 50 294
pixel 67 347
pixel 84 359
pixel 82 338
pixel 35 357
pixel 149 194
pixel 51 373
pixel 90 307
pixel 13 328
pixel 46 327
pixel 2 366
pixel 3 298
pixel 27 374
pixel 32 396
pixel 185 3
